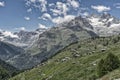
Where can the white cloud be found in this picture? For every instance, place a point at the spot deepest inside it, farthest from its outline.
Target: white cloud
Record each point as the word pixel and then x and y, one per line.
pixel 43 5
pixel 56 12
pixel 85 14
pixel 41 26
pixel 117 5
pixel 27 18
pixel 2 4
pixel 74 3
pixel 0 30
pixel 66 18
pixel 101 8
pixel 38 4
pixel 21 28
pixel 60 9
pixel 65 9
pixel 29 10
pixel 56 9
pixel 51 4
pixel 46 16
pixel 33 1
pixel 84 8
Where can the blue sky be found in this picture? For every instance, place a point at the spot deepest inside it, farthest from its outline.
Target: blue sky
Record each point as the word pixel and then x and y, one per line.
pixel 31 14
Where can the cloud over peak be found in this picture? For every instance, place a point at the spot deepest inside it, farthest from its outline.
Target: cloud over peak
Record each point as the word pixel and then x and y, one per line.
pixel 2 4
pixel 117 5
pixel 66 18
pixel 41 26
pixel 21 28
pixel 27 18
pixel 73 3
pixel 45 16
pixel 39 4
pixel 100 8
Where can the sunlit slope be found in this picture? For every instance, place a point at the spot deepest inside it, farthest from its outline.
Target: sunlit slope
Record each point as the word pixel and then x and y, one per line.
pixel 78 61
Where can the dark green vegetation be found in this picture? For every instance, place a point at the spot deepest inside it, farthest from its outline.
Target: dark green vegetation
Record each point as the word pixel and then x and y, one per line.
pixel 78 61
pixel 110 63
pixel 6 70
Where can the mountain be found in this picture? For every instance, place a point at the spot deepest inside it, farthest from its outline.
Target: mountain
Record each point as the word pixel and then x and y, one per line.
pixel 78 61
pixel 8 51
pixel 22 38
pixel 7 34
pixel 104 24
pixel 7 70
pixel 53 40
pixel 41 44
pixel 25 38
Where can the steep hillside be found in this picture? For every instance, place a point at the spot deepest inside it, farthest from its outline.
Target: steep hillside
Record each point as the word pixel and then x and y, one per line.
pixel 78 61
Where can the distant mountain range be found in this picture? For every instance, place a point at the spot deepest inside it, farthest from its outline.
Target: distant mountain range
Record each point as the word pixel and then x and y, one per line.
pixel 22 38
pixel 39 45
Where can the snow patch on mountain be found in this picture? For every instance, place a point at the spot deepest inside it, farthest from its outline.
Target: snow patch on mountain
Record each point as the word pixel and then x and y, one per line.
pixel 104 24
pixel 10 34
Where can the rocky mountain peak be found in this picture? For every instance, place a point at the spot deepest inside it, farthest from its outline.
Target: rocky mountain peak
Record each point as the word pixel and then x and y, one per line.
pixel 106 16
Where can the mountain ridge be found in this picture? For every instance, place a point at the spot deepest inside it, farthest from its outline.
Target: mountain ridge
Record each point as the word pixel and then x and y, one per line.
pixel 47 42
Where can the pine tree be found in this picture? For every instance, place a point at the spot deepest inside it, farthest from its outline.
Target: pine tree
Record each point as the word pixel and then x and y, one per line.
pixel 3 73
pixel 101 69
pixel 108 64
pixel 111 62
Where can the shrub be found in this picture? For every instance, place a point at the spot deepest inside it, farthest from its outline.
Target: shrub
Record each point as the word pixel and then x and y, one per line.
pixel 108 64
pixel 3 74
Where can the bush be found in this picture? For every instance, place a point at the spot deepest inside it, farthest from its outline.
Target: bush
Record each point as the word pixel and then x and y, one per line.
pixel 3 74
pixel 93 77
pixel 108 64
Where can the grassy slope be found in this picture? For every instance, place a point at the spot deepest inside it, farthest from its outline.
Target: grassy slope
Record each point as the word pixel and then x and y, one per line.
pixel 65 66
